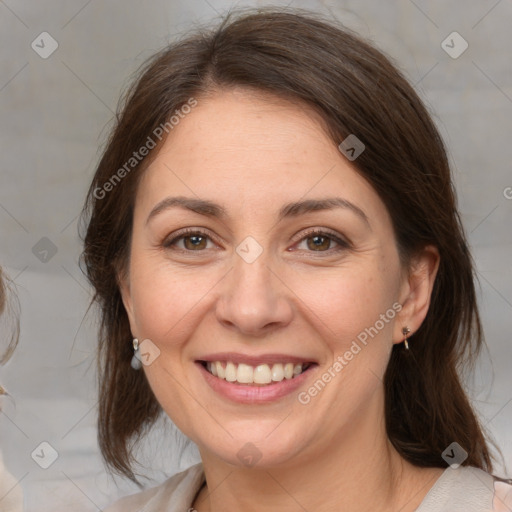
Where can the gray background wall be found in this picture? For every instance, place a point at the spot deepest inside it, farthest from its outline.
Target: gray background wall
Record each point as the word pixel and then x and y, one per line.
pixel 55 112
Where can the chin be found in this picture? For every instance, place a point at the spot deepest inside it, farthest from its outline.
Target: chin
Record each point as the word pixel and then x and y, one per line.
pixel 256 451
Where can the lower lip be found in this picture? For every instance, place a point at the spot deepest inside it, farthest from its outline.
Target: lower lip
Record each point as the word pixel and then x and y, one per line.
pixel 247 394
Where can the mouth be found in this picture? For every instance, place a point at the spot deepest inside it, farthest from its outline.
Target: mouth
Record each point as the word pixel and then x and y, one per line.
pixel 260 375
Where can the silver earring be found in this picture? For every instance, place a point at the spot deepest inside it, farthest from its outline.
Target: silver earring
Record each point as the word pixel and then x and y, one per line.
pixel 136 361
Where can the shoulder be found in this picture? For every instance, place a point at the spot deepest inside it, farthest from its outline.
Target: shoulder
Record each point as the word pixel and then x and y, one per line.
pixel 467 489
pixel 502 501
pixel 11 497
pixel 176 493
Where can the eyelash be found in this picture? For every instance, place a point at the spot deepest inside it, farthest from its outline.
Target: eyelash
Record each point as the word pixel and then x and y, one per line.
pixel 185 233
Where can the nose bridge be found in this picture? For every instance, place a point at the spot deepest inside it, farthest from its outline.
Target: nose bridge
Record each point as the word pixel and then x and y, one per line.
pixel 253 297
pixel 252 280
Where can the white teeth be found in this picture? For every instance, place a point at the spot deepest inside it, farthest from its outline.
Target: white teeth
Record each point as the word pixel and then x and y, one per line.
pixel 221 372
pixel 277 372
pixel 230 372
pixel 262 374
pixel 246 374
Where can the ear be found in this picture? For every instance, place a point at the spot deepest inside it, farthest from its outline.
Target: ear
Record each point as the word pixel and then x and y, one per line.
pixel 124 289
pixel 416 290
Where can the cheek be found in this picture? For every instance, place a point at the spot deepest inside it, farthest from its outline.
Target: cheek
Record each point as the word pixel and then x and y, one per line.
pixel 166 300
pixel 347 301
pixel 354 315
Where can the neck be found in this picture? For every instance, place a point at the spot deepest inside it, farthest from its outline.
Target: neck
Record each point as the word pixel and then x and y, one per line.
pixel 357 469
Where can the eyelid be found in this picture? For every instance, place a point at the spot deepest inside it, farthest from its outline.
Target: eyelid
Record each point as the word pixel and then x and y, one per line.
pixel 342 241
pixel 182 233
pixel 339 239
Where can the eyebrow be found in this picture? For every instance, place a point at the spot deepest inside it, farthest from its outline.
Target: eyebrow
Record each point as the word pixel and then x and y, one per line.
pixel 289 210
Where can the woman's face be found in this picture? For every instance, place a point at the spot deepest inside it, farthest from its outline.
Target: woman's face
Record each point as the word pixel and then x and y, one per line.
pixel 257 286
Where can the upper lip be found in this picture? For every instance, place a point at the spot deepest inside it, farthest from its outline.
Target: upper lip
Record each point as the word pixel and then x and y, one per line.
pixel 255 360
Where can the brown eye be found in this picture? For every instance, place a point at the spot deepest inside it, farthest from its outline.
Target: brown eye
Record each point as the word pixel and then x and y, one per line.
pixel 192 241
pixel 321 241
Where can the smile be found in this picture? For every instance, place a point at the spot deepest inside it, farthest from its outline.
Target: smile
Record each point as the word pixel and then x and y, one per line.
pixel 257 379
pixel 262 374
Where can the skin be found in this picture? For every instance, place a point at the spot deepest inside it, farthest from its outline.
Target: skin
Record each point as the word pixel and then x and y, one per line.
pixel 252 154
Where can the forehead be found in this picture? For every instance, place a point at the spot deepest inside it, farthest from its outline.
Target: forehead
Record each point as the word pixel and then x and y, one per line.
pixel 231 127
pixel 253 152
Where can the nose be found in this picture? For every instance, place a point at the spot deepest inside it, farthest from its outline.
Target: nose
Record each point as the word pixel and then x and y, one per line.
pixel 255 299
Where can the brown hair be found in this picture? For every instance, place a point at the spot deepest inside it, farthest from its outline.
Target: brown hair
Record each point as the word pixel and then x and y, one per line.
pixel 301 57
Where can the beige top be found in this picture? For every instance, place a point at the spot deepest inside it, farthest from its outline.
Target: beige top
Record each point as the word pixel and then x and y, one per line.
pixel 465 489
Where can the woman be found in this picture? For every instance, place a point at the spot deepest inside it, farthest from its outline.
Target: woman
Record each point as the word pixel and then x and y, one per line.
pixel 11 496
pixel 276 251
